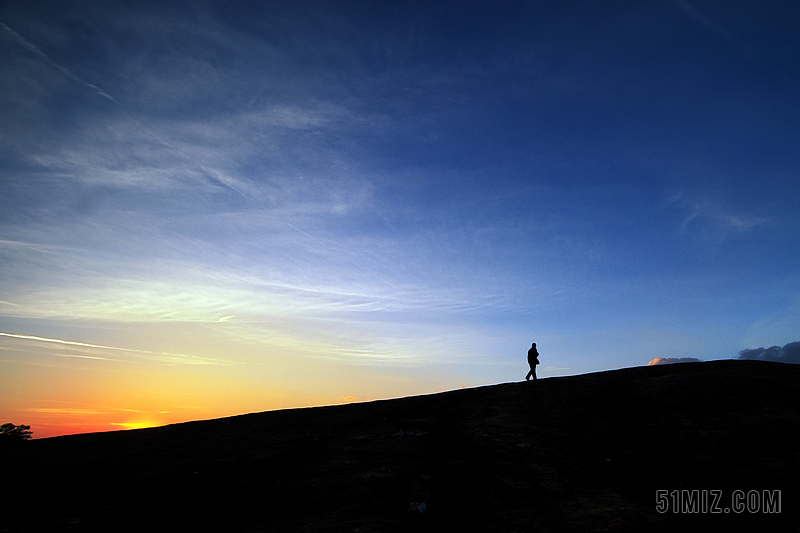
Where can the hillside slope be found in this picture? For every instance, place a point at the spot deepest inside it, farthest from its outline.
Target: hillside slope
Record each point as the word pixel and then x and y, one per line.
pixel 584 453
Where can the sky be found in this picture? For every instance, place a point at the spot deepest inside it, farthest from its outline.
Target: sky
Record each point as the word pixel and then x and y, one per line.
pixel 213 208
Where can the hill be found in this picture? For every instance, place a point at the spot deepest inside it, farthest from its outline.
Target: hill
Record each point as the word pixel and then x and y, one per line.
pixel 584 453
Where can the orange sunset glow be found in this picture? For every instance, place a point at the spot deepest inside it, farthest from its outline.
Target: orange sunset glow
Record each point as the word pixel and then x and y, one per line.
pixel 69 387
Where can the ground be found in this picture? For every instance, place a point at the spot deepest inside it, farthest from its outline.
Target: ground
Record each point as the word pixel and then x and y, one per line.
pixel 582 453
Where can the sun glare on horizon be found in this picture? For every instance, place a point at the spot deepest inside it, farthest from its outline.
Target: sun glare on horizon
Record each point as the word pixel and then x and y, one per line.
pixel 138 424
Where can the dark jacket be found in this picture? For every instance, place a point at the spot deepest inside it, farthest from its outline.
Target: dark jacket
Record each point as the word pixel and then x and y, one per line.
pixel 533 357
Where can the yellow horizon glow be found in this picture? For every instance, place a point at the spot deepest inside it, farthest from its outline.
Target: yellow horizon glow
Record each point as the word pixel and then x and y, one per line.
pixel 138 375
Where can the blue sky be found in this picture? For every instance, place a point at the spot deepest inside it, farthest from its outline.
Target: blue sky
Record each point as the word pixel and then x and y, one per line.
pixel 275 204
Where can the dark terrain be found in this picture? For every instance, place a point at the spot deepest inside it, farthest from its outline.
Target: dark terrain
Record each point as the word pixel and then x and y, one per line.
pixel 579 453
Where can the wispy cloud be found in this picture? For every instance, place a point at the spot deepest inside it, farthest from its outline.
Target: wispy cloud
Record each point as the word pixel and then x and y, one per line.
pixel 29 245
pixel 722 220
pixel 160 357
pixel 694 14
pixel 44 57
pixel 75 356
pixel 68 343
pixel 66 411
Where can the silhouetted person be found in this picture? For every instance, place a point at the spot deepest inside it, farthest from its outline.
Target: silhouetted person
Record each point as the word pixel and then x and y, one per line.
pixel 533 360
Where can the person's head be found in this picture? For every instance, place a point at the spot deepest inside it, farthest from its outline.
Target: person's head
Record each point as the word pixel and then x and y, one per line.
pixel 533 345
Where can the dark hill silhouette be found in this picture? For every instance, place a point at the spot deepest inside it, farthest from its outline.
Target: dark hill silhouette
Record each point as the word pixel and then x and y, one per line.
pixel 583 453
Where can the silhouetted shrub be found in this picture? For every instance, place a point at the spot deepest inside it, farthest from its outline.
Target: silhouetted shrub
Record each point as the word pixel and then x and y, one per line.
pixel 11 433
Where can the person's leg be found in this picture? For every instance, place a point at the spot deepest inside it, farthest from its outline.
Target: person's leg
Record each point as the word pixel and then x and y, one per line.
pixel 528 376
pixel 533 372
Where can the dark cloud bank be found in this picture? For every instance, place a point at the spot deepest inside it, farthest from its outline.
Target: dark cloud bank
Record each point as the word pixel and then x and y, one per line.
pixel 788 353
